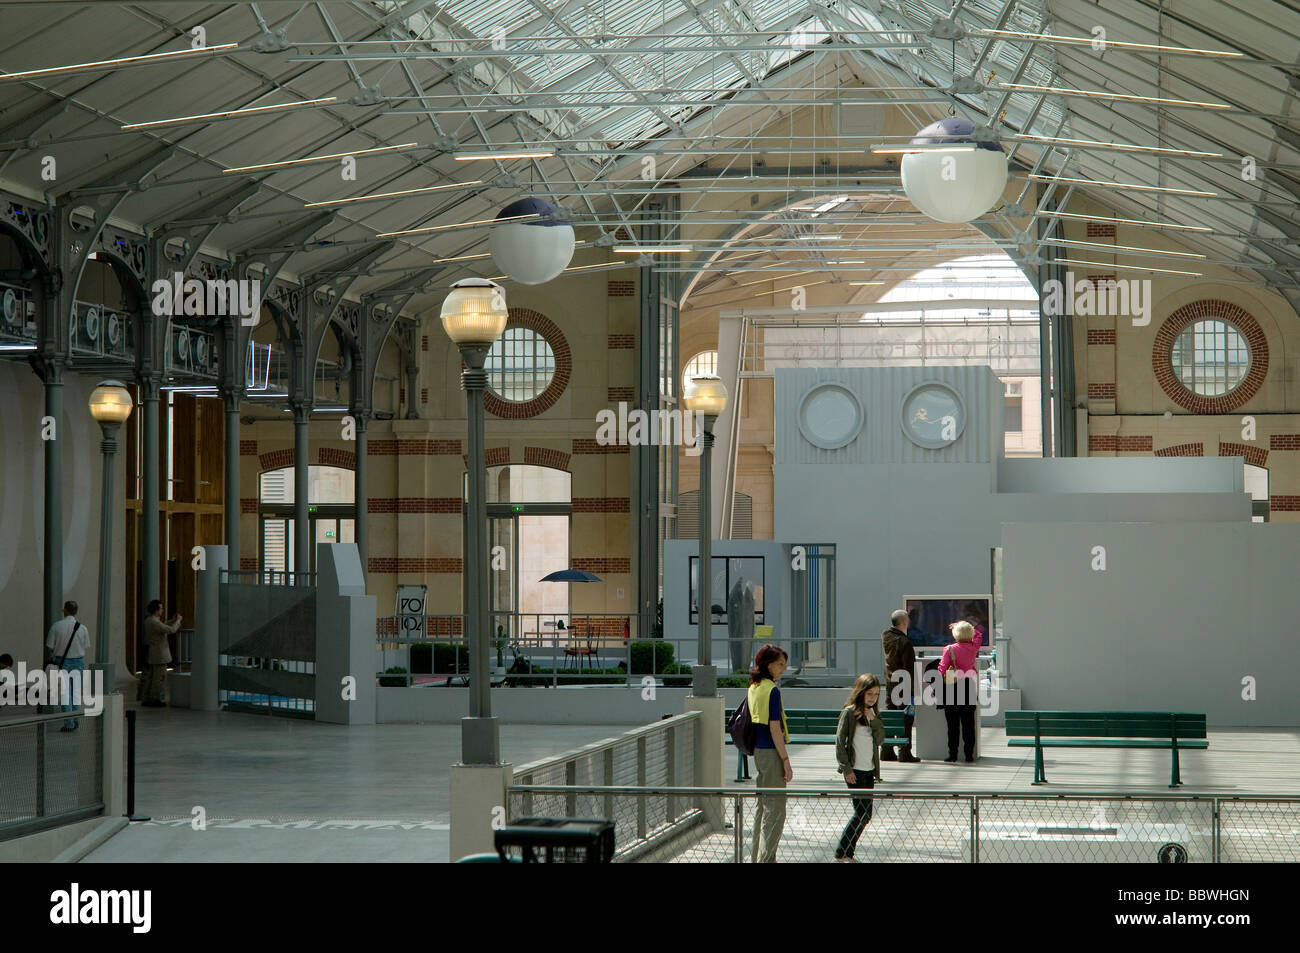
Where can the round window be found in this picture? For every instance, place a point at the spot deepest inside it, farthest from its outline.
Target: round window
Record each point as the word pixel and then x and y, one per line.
pixel 1210 357
pixel 520 365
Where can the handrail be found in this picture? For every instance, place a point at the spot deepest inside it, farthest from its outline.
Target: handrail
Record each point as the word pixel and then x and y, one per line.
pixel 606 745
pixel 881 793
pixel 38 719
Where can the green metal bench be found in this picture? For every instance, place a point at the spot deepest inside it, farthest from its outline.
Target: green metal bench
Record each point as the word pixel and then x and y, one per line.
pixel 1175 730
pixel 816 726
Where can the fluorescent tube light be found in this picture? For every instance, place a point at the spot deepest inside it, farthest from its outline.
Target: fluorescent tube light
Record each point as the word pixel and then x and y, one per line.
pixel 306 159
pixel 1104 94
pixel 1090 40
pixel 1121 185
pixel 651 249
pixel 904 150
pixel 1108 247
pixel 1107 264
pixel 377 196
pixel 489 156
pixel 142 60
pixel 1125 221
pixel 442 228
pixel 230 113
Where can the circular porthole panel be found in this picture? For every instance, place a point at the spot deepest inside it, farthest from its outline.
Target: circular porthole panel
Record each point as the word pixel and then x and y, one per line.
pixel 934 415
pixel 830 416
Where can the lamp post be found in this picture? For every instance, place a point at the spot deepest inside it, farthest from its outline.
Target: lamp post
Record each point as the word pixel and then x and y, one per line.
pixel 706 396
pixel 110 405
pixel 474 316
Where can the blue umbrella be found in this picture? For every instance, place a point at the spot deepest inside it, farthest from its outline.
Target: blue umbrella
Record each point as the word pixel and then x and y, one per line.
pixel 570 575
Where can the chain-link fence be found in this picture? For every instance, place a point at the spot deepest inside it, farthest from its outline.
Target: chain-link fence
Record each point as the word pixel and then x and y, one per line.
pixel 48 776
pixel 717 825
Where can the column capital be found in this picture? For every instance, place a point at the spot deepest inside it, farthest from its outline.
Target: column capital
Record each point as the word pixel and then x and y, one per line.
pixel 150 386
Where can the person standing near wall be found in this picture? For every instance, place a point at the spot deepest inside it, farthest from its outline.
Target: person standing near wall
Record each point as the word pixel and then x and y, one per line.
pixel 771 758
pixel 157 654
pixel 900 660
pixel 66 645
pixel 959 689
pixel 857 739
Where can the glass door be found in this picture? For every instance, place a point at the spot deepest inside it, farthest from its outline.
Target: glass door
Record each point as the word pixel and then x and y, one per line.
pixel 503 573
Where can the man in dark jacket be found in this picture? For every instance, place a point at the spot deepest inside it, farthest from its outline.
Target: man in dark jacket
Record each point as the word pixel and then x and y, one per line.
pixel 900 657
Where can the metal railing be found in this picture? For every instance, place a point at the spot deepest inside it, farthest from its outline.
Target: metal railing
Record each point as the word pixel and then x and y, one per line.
pixel 937 826
pixel 571 655
pixel 49 777
pixel 268 577
pixel 661 754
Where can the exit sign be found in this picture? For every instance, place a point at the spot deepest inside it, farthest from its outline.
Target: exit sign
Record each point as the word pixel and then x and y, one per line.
pixel 329 534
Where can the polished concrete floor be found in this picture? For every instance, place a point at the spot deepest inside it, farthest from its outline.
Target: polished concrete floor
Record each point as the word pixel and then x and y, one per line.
pixel 278 789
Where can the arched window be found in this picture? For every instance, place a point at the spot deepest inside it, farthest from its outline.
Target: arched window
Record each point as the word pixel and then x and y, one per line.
pixel 331 514
pixel 706 362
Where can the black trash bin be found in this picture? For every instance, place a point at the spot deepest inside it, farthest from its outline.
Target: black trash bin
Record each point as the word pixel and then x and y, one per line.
pixel 558 840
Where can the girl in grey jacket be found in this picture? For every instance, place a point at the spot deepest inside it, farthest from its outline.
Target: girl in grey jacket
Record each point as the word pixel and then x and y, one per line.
pixel 857 750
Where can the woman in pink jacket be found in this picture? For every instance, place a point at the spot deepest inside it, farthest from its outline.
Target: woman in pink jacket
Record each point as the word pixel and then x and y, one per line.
pixel 960 690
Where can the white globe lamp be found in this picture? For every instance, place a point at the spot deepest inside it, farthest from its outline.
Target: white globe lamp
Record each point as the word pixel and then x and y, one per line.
pixel 958 184
pixel 531 242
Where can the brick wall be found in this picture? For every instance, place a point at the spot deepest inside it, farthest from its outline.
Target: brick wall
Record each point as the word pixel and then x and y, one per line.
pixel 248 504
pixel 1183 450
pixel 333 457
pixel 1284 441
pixel 413 564
pixel 1101 336
pixel 1256 456
pixel 1174 325
pixel 413 504
pixel 602 564
pixel 616 394
pixel 1133 443
pixel 276 459
pixel 616 342
pixel 1100 230
pixel 587 445
pixel 546 457
pixel 248 448
pixel 621 288
pixel 1278 504
pixel 1101 391
pixel 600 504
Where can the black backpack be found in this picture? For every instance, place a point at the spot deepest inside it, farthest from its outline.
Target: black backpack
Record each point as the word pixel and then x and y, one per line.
pixel 742 730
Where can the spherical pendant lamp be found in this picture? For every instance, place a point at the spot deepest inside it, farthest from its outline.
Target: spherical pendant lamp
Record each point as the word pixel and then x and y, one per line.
pixel 958 185
pixel 534 249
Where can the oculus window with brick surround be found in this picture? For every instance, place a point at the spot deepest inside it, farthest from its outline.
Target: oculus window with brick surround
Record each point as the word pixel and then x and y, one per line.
pixel 1211 357
pixel 520 365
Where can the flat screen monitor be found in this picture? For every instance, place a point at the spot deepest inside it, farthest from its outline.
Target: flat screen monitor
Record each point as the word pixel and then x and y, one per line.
pixel 930 616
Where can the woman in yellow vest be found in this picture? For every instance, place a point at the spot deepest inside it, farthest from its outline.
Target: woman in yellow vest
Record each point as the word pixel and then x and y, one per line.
pixel 771 759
